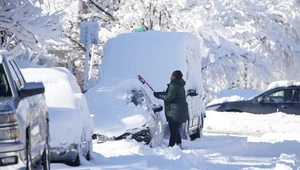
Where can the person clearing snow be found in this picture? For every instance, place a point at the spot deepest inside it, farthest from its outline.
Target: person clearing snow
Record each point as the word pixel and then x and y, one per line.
pixel 155 55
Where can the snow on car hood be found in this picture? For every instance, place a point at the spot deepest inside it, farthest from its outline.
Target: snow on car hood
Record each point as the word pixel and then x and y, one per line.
pixel 64 126
pixel 65 122
pixel 112 109
pixel 226 99
pixel 233 95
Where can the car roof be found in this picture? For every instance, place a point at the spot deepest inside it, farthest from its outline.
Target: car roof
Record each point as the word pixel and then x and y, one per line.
pixel 154 55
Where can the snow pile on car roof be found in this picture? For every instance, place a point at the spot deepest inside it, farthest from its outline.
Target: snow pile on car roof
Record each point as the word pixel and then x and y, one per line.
pixel 153 55
pixel 283 83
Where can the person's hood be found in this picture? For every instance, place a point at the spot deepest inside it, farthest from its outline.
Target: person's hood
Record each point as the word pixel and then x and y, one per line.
pixel 179 81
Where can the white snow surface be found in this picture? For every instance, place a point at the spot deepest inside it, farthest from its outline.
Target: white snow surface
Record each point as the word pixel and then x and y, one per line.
pixel 231 141
pixel 68 111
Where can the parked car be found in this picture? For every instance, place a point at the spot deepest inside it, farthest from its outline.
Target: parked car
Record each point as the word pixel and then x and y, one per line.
pixel 155 55
pixel 279 99
pixel 24 122
pixel 122 109
pixel 71 126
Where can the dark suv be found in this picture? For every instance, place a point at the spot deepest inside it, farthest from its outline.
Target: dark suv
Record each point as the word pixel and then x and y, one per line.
pixel 24 128
pixel 279 99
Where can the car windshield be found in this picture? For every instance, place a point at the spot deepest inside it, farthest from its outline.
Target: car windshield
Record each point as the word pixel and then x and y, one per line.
pixel 137 96
pixel 4 85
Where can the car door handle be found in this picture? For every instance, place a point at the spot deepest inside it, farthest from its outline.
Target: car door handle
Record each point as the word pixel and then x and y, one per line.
pixel 284 106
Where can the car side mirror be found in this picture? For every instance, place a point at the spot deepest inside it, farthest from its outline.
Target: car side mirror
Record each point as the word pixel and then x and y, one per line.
pixel 94 136
pixel 157 108
pixel 31 89
pixel 192 92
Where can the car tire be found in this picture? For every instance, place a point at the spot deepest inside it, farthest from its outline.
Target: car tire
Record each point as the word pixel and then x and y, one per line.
pixel 75 162
pixel 88 155
pixel 195 135
pixel 28 150
pixel 45 160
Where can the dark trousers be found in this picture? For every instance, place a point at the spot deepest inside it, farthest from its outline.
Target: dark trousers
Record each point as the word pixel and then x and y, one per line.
pixel 174 133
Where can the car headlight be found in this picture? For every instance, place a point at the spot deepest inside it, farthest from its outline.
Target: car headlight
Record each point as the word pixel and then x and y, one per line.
pixel 8 118
pixel 9 133
pixel 212 108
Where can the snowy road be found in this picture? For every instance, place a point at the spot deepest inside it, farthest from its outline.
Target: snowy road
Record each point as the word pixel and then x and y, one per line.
pixel 213 152
pixel 272 142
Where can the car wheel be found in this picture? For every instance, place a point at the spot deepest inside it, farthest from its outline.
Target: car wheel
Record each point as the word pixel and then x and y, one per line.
pixel 45 160
pixel 195 135
pixel 88 155
pixel 28 150
pixel 198 131
pixel 75 162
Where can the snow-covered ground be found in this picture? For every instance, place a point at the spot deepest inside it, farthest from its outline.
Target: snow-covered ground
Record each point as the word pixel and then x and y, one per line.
pixel 269 142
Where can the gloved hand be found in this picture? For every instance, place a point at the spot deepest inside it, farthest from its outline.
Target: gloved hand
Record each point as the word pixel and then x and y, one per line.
pixel 157 94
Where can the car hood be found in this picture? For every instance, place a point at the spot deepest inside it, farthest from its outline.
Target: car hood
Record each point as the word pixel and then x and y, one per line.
pixel 112 111
pixel 226 100
pixel 64 126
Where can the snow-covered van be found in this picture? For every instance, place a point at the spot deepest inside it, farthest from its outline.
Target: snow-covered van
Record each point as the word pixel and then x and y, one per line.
pixel 155 55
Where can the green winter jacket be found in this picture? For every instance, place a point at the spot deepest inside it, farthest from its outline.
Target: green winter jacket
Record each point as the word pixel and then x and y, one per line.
pixel 176 107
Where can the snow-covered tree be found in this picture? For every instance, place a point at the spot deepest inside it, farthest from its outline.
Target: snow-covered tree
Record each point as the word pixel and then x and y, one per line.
pixel 248 44
pixel 244 44
pixel 23 30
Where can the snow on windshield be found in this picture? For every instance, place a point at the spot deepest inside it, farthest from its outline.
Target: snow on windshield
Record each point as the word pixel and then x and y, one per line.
pixel 112 107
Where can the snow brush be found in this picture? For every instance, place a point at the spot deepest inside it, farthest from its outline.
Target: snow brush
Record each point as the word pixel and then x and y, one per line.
pixel 144 81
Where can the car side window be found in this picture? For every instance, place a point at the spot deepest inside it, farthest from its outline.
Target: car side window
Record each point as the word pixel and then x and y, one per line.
pixel 275 97
pixel 293 95
pixel 4 85
pixel 15 77
pixel 18 72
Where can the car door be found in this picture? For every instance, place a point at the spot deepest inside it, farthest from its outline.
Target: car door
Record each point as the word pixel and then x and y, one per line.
pixel 275 101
